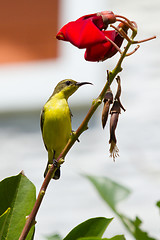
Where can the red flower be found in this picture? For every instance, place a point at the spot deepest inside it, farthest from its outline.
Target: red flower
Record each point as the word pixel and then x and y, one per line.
pixel 102 51
pixel 87 30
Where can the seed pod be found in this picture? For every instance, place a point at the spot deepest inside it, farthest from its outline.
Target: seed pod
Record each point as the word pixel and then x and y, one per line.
pixel 115 111
pixel 118 94
pixel 108 99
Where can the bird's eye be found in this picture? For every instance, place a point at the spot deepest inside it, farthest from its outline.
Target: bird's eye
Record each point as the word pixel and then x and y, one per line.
pixel 68 83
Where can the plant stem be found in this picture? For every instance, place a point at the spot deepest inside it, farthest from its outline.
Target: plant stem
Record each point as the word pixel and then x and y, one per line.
pixel 84 125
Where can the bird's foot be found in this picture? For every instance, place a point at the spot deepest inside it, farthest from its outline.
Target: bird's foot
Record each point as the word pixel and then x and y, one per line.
pixel 58 163
pixel 55 163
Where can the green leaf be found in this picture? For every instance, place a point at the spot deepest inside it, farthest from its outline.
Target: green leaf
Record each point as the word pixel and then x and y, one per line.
pixel 3 219
pixel 139 234
pixel 118 237
pixel 18 194
pixel 110 191
pixel 54 237
pixel 158 204
pixel 133 226
pixel 93 227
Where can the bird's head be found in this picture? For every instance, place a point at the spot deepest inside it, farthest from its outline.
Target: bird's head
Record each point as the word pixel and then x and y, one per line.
pixel 67 87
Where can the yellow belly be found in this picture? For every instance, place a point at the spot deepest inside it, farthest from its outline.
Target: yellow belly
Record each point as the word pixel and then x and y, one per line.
pixel 57 125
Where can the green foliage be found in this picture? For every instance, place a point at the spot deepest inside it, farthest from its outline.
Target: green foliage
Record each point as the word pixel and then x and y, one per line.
pixel 158 204
pixel 118 237
pixel 139 234
pixel 54 237
pixel 3 220
pixel 93 227
pixel 112 193
pixel 17 197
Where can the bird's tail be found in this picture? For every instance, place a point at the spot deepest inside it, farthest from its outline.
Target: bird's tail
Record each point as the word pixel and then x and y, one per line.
pixel 56 174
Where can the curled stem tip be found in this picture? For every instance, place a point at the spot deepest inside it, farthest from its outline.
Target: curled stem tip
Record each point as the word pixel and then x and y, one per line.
pixel 131 23
pixel 128 54
pixel 135 24
pixel 121 33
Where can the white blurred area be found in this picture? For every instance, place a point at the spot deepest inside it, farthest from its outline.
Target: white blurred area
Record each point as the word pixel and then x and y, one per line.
pixel 24 88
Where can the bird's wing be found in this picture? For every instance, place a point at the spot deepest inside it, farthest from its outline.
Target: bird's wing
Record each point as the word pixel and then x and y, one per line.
pixel 42 119
pixel 71 115
pixel 41 124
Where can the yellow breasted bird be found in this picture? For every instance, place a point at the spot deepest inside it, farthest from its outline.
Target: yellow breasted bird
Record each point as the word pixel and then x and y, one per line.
pixel 56 120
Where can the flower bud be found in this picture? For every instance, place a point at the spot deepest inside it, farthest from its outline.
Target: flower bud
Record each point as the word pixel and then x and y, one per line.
pixel 123 26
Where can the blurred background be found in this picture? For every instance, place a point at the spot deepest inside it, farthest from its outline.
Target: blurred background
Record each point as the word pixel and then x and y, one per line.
pixel 32 62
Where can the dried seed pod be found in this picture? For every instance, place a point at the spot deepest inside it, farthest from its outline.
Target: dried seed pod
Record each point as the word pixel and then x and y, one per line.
pixel 118 94
pixel 115 111
pixel 108 99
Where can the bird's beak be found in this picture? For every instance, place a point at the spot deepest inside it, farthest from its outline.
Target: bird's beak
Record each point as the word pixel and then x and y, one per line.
pixel 82 83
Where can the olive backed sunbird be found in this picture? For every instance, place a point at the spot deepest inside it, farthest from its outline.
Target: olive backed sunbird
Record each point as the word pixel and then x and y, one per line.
pixel 55 120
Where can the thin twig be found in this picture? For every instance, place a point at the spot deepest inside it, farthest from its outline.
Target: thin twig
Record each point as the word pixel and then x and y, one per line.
pixel 144 40
pixel 130 53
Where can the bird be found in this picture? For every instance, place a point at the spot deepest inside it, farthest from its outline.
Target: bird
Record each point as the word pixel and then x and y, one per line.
pixel 55 121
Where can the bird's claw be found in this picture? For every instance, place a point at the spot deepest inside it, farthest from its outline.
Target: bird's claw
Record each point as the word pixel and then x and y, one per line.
pixel 55 163
pixel 58 163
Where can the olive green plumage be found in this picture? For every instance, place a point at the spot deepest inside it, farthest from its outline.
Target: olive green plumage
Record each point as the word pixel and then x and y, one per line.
pixel 56 120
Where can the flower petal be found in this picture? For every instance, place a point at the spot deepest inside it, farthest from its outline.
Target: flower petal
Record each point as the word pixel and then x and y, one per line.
pixel 118 41
pixel 103 51
pixel 98 52
pixel 83 32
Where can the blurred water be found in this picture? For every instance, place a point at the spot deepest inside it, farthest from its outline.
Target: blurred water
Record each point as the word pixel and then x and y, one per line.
pixel 72 199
